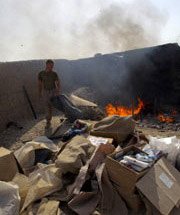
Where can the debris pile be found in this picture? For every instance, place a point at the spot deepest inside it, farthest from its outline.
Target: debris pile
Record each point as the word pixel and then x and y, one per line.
pixel 98 167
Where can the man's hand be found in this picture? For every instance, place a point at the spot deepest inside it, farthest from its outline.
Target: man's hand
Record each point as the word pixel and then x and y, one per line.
pixel 58 87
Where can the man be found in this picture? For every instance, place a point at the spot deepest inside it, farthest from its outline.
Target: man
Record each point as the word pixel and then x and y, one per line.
pixel 48 81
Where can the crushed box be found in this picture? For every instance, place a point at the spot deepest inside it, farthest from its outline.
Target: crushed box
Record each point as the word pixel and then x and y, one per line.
pixel 161 186
pixel 8 165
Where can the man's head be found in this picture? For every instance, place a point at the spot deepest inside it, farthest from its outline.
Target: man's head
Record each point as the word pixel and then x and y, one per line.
pixel 49 65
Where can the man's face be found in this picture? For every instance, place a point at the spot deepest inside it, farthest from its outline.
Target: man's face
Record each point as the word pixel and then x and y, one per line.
pixel 49 66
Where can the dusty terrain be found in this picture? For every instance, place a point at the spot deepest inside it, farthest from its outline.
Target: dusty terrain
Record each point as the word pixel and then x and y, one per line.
pixel 157 132
pixel 13 137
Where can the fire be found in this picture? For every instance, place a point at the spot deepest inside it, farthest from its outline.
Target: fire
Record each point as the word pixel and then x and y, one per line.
pixel 162 118
pixel 124 111
pixel 174 112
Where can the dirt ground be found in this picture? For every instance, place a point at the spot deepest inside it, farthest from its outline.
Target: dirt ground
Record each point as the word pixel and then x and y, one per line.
pixel 158 132
pixel 13 137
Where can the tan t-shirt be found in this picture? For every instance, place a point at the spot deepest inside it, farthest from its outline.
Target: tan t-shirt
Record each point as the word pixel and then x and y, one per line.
pixel 48 79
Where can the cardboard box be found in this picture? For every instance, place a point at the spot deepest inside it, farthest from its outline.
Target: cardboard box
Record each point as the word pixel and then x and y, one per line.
pixel 151 210
pixel 124 180
pixel 161 186
pixel 133 201
pixel 8 165
pixel 121 175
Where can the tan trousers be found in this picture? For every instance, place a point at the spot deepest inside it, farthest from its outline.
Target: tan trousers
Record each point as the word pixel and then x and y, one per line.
pixel 47 94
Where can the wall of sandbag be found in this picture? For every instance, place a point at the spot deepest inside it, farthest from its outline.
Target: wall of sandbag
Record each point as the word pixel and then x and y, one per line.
pixel 73 74
pixel 13 103
pixel 14 106
pixel 119 77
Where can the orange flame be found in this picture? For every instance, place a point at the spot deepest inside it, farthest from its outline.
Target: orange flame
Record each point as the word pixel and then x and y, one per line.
pixel 162 118
pixel 124 111
pixel 174 112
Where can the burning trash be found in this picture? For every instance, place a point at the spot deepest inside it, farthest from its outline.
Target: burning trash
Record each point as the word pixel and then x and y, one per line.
pixel 174 112
pixel 166 118
pixel 163 118
pixel 124 111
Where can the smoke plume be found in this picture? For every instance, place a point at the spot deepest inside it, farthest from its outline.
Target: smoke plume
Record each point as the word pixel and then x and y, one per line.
pixel 124 26
pixel 56 29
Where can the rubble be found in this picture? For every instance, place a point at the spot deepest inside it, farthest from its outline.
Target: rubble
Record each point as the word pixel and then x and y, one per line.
pixel 105 168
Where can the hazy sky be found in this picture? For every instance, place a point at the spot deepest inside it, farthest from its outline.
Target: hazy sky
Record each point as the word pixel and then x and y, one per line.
pixel 72 29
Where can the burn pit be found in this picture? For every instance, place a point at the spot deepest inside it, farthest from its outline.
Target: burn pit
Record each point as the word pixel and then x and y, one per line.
pixel 145 84
pixel 125 111
pixel 146 116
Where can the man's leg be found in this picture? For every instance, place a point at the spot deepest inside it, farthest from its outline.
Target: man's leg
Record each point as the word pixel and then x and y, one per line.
pixel 49 115
pixel 47 108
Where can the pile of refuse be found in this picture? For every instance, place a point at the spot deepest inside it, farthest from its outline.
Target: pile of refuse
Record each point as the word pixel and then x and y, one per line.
pixel 97 167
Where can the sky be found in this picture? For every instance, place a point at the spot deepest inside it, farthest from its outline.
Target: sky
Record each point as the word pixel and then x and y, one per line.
pixel 72 29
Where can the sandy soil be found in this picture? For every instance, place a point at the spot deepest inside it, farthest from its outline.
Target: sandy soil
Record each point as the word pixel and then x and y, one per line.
pixel 158 132
pixel 13 137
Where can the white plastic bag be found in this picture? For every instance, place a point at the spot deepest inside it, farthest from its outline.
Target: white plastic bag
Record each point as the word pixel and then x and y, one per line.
pixel 9 198
pixel 168 145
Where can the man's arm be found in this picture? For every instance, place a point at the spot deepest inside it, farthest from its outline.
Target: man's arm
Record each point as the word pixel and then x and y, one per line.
pixel 40 87
pixel 58 85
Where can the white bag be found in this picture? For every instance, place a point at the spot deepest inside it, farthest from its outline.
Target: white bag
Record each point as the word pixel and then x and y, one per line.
pixel 168 145
pixel 9 198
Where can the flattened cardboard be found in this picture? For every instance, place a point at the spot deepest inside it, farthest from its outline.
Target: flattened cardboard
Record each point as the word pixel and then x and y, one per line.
pixel 8 165
pixel 121 175
pixel 161 186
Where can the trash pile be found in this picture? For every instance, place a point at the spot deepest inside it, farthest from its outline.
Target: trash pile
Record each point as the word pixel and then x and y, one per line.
pixel 98 167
